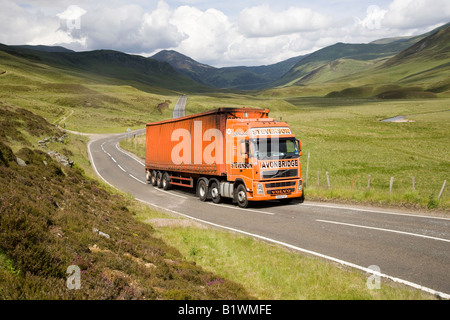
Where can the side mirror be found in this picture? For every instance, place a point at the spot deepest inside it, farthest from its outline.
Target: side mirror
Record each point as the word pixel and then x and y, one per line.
pixel 300 151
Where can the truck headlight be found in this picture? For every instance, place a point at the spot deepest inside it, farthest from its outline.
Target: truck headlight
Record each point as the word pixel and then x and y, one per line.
pixel 300 185
pixel 259 188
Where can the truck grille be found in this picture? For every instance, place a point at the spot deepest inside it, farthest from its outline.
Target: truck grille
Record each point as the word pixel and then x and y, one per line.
pixel 280 184
pixel 279 173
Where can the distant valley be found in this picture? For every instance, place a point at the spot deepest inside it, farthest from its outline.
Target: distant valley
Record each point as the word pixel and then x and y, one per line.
pixel 387 68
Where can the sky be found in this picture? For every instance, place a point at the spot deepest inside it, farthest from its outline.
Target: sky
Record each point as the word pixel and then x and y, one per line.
pixel 217 33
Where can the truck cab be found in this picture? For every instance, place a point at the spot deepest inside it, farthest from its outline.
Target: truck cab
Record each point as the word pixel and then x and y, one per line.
pixel 263 161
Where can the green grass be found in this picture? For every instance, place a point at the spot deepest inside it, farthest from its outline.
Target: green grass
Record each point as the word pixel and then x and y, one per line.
pixel 270 271
pixel 349 141
pixel 92 105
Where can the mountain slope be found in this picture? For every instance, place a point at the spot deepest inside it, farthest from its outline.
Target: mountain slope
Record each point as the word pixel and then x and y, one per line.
pixel 88 102
pixel 361 56
pixel 241 77
pixel 436 46
pixel 420 71
pixel 109 63
pixel 302 71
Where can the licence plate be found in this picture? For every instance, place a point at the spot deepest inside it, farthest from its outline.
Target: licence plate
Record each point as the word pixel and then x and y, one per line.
pixel 281 197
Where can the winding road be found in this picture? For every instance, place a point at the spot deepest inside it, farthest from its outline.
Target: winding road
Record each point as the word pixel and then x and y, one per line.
pixel 178 110
pixel 410 248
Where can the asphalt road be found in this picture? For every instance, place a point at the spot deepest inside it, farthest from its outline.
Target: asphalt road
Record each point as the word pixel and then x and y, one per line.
pixel 411 248
pixel 178 111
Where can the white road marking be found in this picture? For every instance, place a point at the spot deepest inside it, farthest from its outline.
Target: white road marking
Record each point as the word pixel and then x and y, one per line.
pixel 342 262
pixel 121 168
pixel 172 194
pixel 387 230
pixel 129 154
pixel 94 166
pixel 374 211
pixel 137 179
pixel 237 208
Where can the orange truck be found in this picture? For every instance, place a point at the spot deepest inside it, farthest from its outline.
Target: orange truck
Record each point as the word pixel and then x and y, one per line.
pixel 237 153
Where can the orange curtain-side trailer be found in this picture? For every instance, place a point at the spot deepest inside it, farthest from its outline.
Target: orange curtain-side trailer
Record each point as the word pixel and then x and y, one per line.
pixel 193 144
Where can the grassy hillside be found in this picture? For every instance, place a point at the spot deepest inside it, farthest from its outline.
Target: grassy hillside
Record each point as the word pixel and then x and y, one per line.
pixel 239 78
pixel 358 53
pixel 53 216
pixel 81 101
pixel 149 74
pixel 324 65
pixel 420 71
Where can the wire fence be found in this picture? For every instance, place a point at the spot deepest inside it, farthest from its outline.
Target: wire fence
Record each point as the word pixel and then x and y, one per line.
pixel 325 180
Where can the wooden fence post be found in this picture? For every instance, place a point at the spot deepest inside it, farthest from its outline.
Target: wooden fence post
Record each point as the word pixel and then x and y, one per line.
pixel 368 183
pixel 328 180
pixel 442 189
pixel 307 169
pixel 391 183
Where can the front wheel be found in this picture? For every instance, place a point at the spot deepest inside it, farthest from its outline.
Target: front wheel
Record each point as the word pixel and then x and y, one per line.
pixel 241 196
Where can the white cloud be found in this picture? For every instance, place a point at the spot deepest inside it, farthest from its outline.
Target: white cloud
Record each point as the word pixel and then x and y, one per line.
pixel 72 12
pixel 234 35
pixel 262 21
pixel 19 26
pixel 374 17
pixel 404 14
pixel 208 33
pixel 128 28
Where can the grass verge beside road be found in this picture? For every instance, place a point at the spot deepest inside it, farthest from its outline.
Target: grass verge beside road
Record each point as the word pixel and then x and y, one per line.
pixel 269 271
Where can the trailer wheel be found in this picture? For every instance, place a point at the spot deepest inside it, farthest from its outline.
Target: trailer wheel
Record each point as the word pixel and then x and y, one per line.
pixel 159 179
pixel 153 180
pixel 215 192
pixel 202 190
pixel 166 181
pixel 241 196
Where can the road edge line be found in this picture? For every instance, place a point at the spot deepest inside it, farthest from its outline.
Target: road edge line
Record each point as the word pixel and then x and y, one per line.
pixel 320 255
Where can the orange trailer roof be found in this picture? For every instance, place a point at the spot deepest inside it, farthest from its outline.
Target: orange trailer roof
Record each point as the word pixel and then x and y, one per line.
pixel 235 113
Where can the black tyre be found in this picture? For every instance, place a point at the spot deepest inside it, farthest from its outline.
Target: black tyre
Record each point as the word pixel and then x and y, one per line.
pixel 215 192
pixel 159 179
pixel 241 196
pixel 166 181
pixel 202 190
pixel 153 180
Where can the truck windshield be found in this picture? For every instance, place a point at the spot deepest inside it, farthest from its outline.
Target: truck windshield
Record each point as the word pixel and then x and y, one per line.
pixel 285 148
